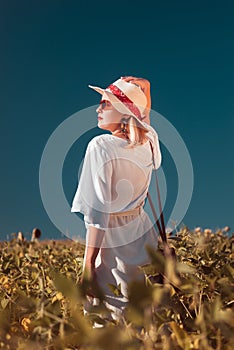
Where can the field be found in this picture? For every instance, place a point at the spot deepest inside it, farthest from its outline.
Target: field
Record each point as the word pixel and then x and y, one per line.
pixel 41 298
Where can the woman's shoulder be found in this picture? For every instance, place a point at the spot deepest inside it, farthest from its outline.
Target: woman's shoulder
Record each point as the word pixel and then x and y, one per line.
pixel 101 139
pixel 103 142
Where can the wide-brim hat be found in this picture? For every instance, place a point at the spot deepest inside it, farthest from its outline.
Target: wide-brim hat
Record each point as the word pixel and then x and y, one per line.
pixel 126 97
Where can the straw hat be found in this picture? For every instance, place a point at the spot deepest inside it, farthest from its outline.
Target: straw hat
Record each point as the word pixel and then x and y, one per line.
pixel 126 97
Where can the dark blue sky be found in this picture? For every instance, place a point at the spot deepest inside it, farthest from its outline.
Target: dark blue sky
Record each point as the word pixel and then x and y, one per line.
pixel 50 52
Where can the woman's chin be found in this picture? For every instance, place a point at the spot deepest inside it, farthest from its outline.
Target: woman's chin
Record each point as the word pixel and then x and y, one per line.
pixel 102 126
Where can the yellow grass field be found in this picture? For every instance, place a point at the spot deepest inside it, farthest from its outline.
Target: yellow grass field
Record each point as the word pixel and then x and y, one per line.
pixel 41 298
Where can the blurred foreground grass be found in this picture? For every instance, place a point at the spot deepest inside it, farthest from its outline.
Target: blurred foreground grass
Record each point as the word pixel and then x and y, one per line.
pixel 41 300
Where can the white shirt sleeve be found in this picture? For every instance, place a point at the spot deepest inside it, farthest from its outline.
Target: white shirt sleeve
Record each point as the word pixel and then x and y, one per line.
pixel 93 195
pixel 157 156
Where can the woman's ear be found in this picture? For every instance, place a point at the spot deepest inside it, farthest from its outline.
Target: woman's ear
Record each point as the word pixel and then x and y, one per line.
pixel 125 118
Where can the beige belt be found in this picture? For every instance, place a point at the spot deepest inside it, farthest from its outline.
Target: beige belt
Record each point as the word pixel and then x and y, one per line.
pixel 135 211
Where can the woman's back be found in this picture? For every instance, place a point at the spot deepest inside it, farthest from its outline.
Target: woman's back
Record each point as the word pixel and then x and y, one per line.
pixel 129 171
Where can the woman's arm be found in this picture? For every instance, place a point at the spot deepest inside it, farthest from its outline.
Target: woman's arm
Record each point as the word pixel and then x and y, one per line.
pixel 94 240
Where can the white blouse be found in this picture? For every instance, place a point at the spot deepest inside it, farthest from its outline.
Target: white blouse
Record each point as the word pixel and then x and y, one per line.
pixel 114 178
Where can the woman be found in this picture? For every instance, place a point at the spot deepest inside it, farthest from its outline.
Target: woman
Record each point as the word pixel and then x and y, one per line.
pixel 113 187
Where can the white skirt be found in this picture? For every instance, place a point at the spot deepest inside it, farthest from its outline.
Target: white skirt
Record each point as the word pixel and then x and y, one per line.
pixel 118 261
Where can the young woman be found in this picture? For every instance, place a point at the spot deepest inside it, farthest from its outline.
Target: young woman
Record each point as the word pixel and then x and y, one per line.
pixel 113 187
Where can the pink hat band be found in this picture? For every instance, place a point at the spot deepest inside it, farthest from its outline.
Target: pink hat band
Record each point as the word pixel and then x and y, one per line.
pixel 125 100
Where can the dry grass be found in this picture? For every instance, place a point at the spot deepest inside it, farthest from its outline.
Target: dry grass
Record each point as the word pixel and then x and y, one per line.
pixel 41 299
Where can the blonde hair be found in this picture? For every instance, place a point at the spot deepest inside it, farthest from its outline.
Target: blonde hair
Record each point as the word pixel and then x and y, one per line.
pixel 135 132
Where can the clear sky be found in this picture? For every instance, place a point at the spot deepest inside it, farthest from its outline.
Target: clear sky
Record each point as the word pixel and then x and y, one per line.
pixel 50 52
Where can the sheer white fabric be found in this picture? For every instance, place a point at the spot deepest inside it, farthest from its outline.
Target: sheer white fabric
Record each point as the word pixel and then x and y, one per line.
pixel 116 179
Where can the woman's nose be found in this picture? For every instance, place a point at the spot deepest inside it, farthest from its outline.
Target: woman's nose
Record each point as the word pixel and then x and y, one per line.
pixel 98 110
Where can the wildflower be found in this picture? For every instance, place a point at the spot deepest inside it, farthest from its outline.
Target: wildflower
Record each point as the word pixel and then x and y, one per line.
pixel 207 231
pixel 25 322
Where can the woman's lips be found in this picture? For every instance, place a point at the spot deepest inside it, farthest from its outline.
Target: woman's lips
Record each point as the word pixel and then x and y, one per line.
pixel 99 118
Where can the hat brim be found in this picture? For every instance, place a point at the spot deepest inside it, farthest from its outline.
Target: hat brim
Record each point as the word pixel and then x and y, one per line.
pixel 98 89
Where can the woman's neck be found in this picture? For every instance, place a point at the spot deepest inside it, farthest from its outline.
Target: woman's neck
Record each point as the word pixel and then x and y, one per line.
pixel 120 134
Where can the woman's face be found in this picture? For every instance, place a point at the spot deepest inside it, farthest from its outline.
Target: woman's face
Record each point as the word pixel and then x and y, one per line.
pixel 108 117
